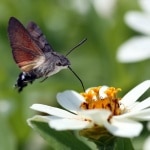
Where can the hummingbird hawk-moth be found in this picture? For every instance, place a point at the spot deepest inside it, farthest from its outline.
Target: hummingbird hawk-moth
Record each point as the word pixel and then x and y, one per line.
pixel 32 53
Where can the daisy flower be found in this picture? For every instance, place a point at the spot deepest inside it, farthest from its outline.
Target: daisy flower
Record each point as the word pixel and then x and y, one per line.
pixel 137 48
pixel 99 111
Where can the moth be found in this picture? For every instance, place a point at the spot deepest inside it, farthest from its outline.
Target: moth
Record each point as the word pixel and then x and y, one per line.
pixel 32 53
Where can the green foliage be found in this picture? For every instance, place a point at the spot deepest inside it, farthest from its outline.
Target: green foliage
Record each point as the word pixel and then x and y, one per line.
pixel 124 144
pixel 63 140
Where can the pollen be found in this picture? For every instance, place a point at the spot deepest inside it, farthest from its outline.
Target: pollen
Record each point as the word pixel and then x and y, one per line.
pixel 102 97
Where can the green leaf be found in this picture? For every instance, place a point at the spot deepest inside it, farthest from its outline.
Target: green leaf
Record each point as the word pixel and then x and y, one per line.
pixel 60 140
pixel 123 144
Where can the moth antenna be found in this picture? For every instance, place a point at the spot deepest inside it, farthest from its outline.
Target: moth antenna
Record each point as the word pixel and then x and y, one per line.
pixel 76 46
pixel 77 77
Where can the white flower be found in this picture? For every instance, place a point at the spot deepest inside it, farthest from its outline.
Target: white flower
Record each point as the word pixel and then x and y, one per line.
pixel 104 8
pixel 137 48
pixel 94 109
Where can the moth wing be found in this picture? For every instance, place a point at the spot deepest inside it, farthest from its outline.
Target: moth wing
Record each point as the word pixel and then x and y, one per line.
pixel 25 51
pixel 27 60
pixel 39 37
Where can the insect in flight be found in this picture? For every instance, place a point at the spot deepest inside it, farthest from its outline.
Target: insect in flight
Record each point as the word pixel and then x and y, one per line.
pixel 32 53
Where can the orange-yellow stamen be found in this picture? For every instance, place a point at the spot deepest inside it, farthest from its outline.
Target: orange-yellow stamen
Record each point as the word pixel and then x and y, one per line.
pixel 102 98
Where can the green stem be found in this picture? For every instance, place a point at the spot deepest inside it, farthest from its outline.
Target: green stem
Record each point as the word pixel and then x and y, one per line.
pixel 106 143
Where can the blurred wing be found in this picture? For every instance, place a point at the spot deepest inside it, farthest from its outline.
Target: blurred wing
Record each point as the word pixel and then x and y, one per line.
pixel 25 51
pixel 38 37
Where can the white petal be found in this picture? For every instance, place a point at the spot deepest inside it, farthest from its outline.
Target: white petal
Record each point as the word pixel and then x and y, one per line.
pixel 143 115
pixel 38 118
pixel 124 127
pixel 98 116
pixel 135 93
pixel 68 124
pixel 145 4
pixel 104 8
pixel 138 21
pixel 136 115
pixel 131 107
pixel 135 49
pixel 141 105
pixel 70 100
pixel 52 111
pixel 102 91
pixel 147 144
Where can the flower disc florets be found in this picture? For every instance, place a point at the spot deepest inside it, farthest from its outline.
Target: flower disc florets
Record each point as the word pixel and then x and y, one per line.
pixel 102 97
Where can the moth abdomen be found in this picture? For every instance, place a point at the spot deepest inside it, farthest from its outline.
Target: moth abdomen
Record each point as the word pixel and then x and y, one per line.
pixel 23 80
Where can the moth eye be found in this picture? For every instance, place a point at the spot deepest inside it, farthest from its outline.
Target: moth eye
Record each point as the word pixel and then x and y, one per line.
pixel 59 64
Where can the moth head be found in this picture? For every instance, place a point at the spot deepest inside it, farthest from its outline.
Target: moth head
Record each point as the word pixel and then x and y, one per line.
pixel 63 61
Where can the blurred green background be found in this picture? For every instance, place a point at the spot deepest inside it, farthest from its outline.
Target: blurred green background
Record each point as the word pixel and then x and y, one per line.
pixel 65 23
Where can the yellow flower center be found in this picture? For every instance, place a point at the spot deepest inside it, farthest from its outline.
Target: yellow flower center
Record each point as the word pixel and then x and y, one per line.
pixel 102 97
